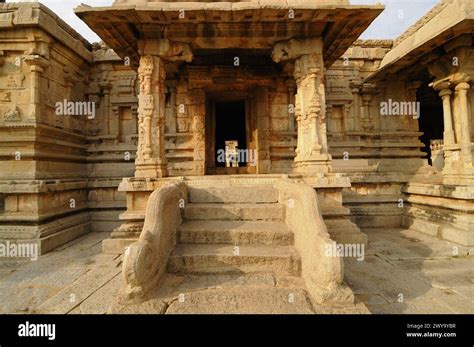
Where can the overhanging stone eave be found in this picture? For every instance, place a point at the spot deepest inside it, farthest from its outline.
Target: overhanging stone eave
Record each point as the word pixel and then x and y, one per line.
pixel 122 20
pixel 399 57
pixel 40 16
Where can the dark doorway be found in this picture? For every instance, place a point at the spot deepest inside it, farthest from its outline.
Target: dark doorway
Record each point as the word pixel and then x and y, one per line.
pixel 431 121
pixel 231 125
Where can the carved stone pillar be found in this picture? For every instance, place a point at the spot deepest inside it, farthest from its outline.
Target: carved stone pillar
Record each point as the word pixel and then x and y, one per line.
pixel 367 91
pixel 450 147
pixel 262 112
pixel 448 135
pixel 463 107
pixel 311 154
pixel 151 161
pixel 291 108
pixel 353 123
pixel 37 66
pixel 199 134
pixel 112 123
pixel 172 117
pixel 457 128
pixel 310 104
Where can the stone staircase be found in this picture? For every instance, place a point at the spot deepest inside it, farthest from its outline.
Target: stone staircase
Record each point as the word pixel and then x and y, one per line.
pixel 234 230
pixel 233 248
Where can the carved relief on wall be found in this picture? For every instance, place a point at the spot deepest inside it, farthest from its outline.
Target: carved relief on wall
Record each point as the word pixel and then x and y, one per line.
pixel 5 96
pixel 12 115
pixel 15 81
pixel 184 124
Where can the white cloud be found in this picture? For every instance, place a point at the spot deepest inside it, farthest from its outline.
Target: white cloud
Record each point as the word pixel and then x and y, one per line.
pixel 387 26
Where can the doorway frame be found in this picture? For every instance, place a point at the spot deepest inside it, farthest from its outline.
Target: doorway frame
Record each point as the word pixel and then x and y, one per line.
pixel 250 128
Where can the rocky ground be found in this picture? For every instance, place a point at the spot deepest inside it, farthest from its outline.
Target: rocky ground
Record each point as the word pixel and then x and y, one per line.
pixel 403 272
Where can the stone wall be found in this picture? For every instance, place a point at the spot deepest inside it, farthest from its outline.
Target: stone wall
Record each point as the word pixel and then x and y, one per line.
pixel 111 137
pixel 60 170
pixel 378 152
pixel 44 174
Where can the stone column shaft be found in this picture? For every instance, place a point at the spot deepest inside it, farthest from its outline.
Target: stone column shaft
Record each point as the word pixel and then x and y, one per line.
pixel 445 95
pixel 465 141
pixel 37 65
pixel 291 98
pixel 173 116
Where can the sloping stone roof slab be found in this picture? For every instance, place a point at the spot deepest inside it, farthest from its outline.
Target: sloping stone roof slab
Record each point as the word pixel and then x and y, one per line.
pixel 216 25
pixel 445 22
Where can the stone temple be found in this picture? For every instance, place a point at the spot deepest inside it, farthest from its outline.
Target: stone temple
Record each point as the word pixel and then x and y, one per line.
pixel 234 141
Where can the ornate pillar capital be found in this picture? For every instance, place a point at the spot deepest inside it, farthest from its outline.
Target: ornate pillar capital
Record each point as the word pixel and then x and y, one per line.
pixel 296 48
pixel 166 49
pixel 462 86
pixel 445 92
pixel 441 85
pixel 36 62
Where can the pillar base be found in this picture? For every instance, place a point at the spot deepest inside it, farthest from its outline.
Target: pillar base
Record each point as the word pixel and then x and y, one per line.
pixel 151 168
pixel 322 163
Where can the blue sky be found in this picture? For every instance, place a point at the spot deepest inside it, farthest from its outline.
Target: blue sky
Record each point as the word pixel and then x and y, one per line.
pixel 398 15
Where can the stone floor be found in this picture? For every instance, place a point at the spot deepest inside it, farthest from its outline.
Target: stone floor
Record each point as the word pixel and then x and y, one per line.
pixel 403 272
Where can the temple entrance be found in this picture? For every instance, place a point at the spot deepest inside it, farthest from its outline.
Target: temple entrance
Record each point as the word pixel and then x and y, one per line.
pixel 431 122
pixel 228 139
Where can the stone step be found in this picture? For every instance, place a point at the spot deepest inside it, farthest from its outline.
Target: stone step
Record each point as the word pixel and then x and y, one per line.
pixel 350 238
pixel 246 194
pixel 334 210
pixel 200 211
pixel 218 259
pixel 344 231
pixel 236 233
pixel 341 226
